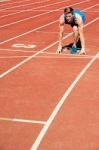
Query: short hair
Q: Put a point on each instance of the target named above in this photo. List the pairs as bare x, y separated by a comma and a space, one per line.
68, 10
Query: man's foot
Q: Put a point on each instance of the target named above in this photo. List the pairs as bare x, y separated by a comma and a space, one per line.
73, 50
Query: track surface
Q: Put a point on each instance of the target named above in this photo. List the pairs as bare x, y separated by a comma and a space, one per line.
48, 101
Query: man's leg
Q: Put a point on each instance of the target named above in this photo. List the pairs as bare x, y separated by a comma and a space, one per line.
78, 44
76, 39
75, 35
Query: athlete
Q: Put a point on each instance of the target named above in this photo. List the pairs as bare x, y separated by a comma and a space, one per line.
76, 19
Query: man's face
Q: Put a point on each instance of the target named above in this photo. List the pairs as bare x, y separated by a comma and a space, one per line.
69, 17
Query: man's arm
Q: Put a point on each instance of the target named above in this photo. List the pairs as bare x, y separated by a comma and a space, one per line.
61, 31
81, 34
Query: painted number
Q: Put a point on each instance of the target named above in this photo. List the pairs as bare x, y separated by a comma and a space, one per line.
24, 46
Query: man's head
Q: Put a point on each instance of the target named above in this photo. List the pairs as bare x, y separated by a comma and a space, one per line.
68, 11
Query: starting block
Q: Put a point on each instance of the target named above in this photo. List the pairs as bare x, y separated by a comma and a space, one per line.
74, 50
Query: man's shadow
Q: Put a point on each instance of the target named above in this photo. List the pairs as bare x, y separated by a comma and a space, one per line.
69, 46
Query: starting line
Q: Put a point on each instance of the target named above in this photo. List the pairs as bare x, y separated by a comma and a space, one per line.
58, 56
4, 0
22, 120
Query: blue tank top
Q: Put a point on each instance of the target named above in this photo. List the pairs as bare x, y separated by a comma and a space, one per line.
73, 23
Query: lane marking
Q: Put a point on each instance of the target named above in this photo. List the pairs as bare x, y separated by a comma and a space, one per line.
69, 56
32, 3
30, 51
22, 120
59, 105
41, 10
4, 0
40, 15
53, 54
14, 2
16, 50
46, 10
24, 45
48, 32
92, 11
32, 56
37, 27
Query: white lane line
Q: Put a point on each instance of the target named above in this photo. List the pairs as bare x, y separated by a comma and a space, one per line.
47, 10
16, 50
49, 53
39, 15
20, 6
22, 120
4, 0
32, 56
26, 10
37, 28
69, 56
50, 4
28, 32
11, 57
94, 11
18, 11
51, 32
53, 54
31, 51
15, 2
59, 105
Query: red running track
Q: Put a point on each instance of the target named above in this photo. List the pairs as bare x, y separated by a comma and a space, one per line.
48, 101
